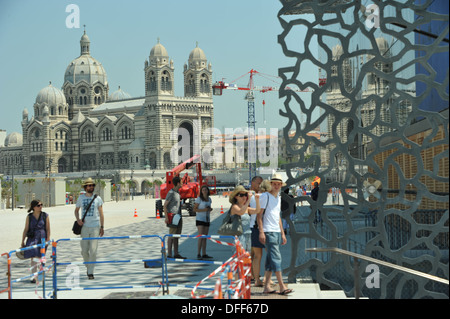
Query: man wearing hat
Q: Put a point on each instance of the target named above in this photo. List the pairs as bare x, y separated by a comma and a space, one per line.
92, 224
271, 234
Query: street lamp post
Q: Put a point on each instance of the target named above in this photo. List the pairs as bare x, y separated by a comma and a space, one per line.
49, 168
12, 185
132, 183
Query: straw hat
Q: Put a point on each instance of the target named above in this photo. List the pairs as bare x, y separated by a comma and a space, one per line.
277, 178
88, 181
236, 191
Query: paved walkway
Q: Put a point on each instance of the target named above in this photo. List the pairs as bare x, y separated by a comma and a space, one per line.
134, 274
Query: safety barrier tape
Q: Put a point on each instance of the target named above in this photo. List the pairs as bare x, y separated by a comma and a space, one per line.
242, 286
219, 269
230, 266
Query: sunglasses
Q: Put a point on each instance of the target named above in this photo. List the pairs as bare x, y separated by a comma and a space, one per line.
40, 205
242, 195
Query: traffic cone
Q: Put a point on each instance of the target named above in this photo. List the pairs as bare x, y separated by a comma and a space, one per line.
135, 213
157, 214
221, 209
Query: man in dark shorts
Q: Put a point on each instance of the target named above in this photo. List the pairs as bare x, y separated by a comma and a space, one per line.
257, 247
172, 205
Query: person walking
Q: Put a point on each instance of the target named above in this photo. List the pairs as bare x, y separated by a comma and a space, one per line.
314, 197
172, 205
37, 227
271, 234
90, 206
202, 208
299, 193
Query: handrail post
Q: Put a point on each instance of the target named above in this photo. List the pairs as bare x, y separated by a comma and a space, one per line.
165, 278
8, 274
356, 258
356, 277
42, 266
54, 261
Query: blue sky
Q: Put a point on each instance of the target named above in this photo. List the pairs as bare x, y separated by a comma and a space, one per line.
236, 36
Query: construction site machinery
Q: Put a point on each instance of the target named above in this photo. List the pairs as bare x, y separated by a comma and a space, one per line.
190, 189
218, 88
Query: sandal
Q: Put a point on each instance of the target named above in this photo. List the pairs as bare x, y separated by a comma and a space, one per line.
271, 292
285, 292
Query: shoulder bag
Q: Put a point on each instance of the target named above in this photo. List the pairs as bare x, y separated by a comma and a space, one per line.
231, 225
76, 228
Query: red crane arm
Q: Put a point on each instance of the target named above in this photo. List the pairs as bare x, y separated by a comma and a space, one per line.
185, 165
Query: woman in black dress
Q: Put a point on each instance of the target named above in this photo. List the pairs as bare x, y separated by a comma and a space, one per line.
37, 226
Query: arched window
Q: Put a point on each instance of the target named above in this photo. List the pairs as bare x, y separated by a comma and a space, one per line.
166, 83
152, 83
204, 84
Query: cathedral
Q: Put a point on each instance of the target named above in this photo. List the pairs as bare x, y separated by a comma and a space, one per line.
82, 127
376, 116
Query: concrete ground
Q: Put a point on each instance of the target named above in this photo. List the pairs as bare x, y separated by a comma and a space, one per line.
120, 220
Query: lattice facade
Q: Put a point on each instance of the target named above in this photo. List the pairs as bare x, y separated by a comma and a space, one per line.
382, 91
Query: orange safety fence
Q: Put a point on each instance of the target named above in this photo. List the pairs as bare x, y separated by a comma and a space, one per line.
239, 268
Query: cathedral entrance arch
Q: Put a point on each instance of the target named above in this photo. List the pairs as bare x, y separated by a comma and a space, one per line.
187, 141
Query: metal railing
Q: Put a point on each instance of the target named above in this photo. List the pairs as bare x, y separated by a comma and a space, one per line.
375, 261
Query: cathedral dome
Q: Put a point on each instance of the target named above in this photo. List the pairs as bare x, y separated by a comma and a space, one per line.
158, 51
85, 39
197, 54
159, 55
85, 67
119, 95
51, 96
14, 139
197, 58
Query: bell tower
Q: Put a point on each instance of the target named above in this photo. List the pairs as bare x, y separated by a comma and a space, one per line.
159, 72
197, 75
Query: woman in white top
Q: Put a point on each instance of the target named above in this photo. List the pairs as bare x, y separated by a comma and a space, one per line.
202, 208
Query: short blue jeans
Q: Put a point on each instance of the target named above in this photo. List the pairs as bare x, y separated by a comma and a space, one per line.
273, 258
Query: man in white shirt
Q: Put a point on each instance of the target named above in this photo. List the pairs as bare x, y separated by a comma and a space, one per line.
92, 224
271, 234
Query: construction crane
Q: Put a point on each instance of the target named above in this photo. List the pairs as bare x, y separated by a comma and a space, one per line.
218, 88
